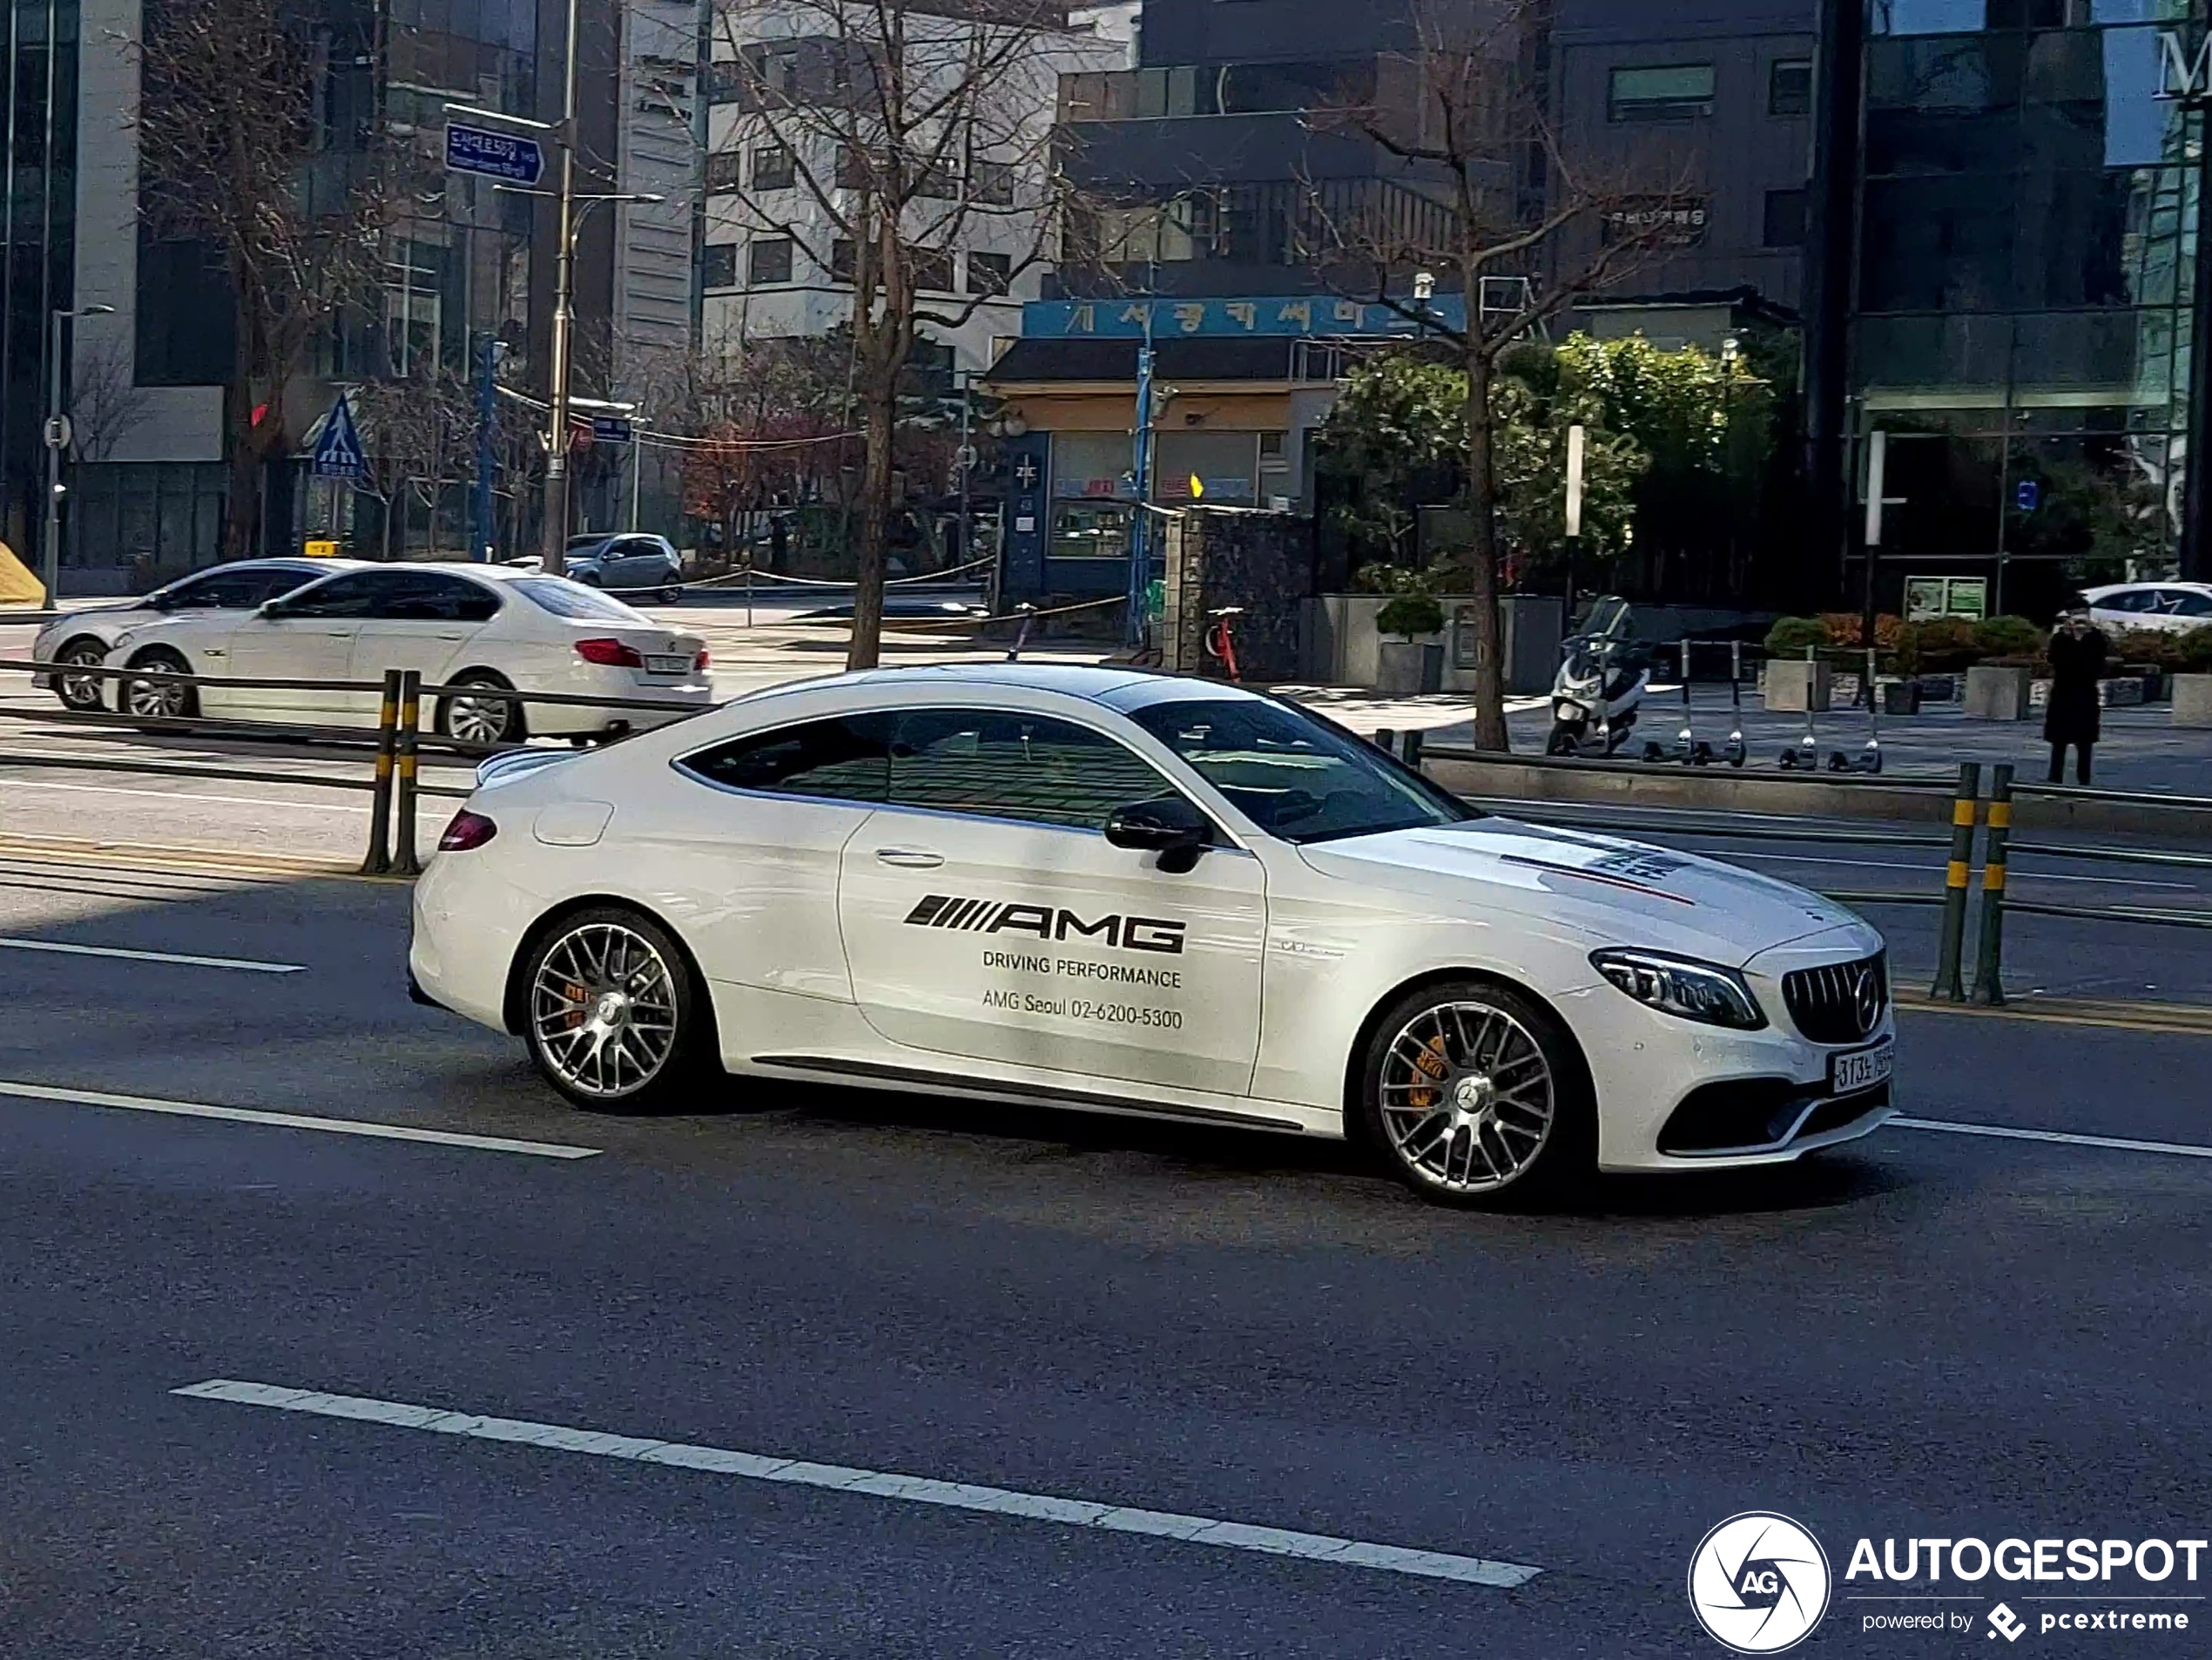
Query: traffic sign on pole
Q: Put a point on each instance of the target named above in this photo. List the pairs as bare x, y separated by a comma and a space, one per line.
610, 429
494, 155
338, 452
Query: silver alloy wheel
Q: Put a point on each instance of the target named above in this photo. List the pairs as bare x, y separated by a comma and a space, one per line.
1467, 1096
603, 1009
84, 691
157, 699
478, 720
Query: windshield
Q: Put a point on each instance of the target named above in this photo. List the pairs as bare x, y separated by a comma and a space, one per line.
566, 599
1295, 775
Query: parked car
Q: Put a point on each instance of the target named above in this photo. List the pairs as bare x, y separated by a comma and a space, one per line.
459, 626
627, 564
87, 636
2175, 606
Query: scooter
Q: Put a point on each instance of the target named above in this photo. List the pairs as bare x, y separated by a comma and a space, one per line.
1600, 685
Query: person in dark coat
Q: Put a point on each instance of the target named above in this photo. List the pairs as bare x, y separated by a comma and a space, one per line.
2077, 653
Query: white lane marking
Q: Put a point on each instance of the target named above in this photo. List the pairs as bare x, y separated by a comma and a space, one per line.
1936, 870
173, 796
958, 1495
293, 1121
2110, 1143
244, 964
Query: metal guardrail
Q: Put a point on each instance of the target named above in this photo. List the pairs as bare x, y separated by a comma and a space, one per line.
397, 740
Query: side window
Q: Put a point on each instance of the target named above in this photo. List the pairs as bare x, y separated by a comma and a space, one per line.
426, 597
1004, 765
2132, 599
846, 760
359, 594
465, 600
223, 590
2180, 602
274, 584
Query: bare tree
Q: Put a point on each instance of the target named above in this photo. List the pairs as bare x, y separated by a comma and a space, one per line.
105, 398
248, 148
418, 430
1493, 207
882, 138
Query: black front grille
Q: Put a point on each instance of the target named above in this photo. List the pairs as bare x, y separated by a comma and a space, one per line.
1828, 1004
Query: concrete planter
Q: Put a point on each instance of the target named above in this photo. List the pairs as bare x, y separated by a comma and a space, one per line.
2193, 700
1900, 697
1995, 693
1793, 687
1408, 668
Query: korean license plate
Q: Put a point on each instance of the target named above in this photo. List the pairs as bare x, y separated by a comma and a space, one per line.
1862, 1069
662, 663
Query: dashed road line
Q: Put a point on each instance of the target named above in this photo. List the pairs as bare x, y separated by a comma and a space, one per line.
913, 1489
294, 1120
2006, 1132
243, 965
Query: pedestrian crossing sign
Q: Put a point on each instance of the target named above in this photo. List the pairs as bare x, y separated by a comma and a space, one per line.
338, 452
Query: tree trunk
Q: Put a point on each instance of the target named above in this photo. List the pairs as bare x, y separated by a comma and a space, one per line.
878, 422
1489, 644
242, 519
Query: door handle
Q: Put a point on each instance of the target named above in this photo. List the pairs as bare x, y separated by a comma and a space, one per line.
909, 858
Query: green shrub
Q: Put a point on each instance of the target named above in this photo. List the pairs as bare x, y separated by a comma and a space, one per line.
1790, 635
1410, 615
2193, 651
1390, 579
1942, 645
2008, 637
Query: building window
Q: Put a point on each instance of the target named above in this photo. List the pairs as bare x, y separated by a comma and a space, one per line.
932, 269
843, 259
719, 265
991, 183
773, 167
1785, 219
989, 273
767, 261
1668, 92
721, 172
1090, 530
1788, 87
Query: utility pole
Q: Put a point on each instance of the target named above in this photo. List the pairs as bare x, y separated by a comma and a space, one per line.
487, 418
553, 541
57, 436
1139, 530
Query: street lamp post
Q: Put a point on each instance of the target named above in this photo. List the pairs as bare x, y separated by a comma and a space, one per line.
57, 438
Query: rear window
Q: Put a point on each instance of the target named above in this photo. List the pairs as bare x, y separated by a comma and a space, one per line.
566, 599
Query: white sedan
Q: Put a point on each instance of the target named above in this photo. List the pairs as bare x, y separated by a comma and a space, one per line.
2173, 607
1097, 888
484, 627
85, 635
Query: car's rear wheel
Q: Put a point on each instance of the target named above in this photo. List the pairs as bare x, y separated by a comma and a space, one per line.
481, 719
81, 692
1475, 1095
159, 699
614, 1015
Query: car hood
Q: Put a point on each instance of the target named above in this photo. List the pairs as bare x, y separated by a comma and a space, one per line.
1615, 892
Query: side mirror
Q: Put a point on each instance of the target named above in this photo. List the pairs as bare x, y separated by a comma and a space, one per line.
274, 610
1168, 824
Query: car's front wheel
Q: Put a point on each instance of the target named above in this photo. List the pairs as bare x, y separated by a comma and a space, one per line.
159, 699
1475, 1095
81, 692
615, 1017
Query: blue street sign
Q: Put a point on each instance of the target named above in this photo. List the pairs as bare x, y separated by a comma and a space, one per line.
610, 429
338, 452
494, 155
2029, 494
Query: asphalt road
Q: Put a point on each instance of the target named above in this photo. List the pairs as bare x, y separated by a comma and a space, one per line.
1932, 1334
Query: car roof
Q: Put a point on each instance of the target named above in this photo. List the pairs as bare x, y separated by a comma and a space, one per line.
2156, 582
1119, 688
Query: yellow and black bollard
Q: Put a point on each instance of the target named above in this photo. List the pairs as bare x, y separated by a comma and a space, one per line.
408, 760
1964, 812
1989, 991
380, 803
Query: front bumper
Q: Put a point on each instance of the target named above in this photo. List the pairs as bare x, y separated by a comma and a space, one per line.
1676, 1095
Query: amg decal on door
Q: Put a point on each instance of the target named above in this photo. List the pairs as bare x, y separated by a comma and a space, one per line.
1046, 923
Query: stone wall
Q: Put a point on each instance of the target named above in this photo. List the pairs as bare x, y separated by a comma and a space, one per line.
1218, 556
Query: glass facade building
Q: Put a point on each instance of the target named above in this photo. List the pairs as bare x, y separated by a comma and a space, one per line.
2025, 306
38, 244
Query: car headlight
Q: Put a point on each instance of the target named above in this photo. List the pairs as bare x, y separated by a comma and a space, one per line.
1699, 991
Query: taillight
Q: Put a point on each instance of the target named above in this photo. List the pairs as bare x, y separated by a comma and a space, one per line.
467, 830
611, 653
700, 663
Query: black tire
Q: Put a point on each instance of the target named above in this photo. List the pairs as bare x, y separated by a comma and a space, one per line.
153, 698
474, 716
1536, 1144
82, 695
569, 970
671, 596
